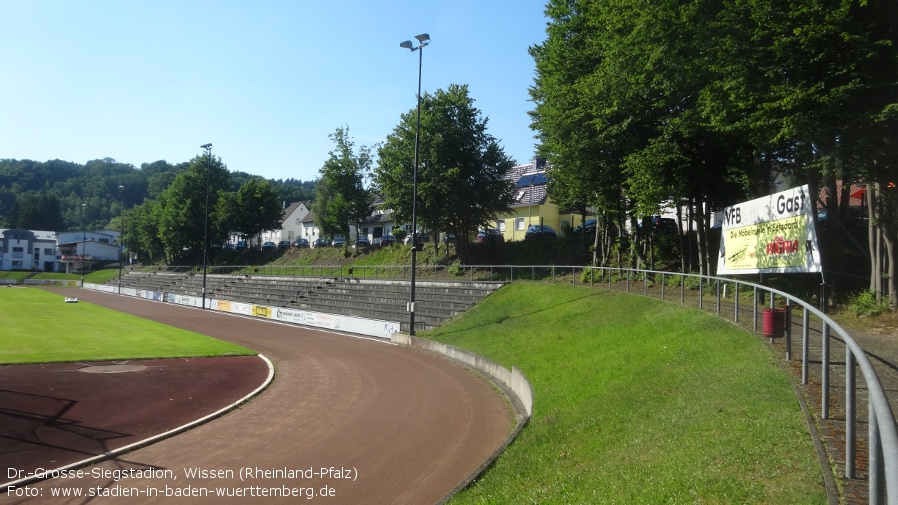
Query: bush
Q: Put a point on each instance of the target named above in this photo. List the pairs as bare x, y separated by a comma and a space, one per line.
590, 275
865, 304
673, 280
693, 283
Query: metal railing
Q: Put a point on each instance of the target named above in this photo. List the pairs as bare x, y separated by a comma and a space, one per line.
882, 439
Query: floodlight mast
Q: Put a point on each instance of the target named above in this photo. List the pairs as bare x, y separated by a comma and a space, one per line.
208, 148
423, 40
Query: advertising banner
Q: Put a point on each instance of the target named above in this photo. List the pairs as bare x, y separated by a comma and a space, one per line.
772, 234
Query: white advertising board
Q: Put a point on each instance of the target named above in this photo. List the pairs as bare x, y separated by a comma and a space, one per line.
772, 234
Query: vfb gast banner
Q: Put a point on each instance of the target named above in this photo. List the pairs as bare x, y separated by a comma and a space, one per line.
772, 234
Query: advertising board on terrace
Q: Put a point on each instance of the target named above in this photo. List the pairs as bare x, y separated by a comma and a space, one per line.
772, 234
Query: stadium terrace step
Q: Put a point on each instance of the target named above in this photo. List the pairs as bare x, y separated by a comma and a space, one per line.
436, 301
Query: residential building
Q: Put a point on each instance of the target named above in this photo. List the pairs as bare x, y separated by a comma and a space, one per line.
291, 224
82, 250
532, 204
27, 250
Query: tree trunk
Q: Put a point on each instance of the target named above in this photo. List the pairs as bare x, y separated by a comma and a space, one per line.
680, 235
702, 237
874, 242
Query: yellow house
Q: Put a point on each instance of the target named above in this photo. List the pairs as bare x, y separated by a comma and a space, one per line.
532, 204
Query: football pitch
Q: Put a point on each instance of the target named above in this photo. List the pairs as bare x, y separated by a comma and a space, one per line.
40, 327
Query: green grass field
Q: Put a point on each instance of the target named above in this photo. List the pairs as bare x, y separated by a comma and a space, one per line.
39, 327
637, 401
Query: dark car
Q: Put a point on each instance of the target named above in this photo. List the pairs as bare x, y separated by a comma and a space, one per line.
269, 246
241, 246
284, 245
539, 231
387, 240
338, 241
302, 243
362, 242
321, 242
489, 235
658, 224
588, 228
449, 238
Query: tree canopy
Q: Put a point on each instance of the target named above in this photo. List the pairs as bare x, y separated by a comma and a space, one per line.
694, 104
342, 198
461, 170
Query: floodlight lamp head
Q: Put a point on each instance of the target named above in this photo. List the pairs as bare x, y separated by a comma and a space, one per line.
407, 44
423, 38
206, 146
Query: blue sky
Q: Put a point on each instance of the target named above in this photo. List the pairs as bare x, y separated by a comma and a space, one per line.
264, 81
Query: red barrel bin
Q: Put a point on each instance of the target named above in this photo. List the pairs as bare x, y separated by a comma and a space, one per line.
774, 323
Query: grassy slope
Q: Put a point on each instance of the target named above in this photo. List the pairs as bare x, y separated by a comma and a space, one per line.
637, 401
38, 327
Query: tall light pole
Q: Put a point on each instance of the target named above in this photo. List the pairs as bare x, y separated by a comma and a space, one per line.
208, 148
423, 40
121, 241
83, 241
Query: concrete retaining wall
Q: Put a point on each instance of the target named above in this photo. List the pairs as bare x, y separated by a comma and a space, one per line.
513, 379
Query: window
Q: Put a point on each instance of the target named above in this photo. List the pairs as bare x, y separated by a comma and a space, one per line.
18, 252
48, 251
519, 223
104, 240
500, 225
299, 221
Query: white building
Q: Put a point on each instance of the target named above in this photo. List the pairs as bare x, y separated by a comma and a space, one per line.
83, 249
27, 250
291, 224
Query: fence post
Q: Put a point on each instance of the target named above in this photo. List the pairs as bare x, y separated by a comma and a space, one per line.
701, 293
736, 300
805, 345
875, 459
754, 308
824, 372
662, 285
850, 407
683, 288
788, 317
717, 282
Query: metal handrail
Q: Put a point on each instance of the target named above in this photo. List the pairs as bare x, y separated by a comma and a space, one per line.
883, 435
321, 281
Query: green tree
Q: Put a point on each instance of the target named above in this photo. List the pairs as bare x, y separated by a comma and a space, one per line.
183, 207
254, 208
36, 213
342, 199
461, 172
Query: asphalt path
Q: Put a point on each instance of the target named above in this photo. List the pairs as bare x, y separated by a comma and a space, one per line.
346, 420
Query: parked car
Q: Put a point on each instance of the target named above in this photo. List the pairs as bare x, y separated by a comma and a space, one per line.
269, 246
588, 228
449, 238
658, 224
302, 243
241, 246
284, 245
489, 235
321, 242
539, 231
420, 238
338, 241
362, 242
387, 240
